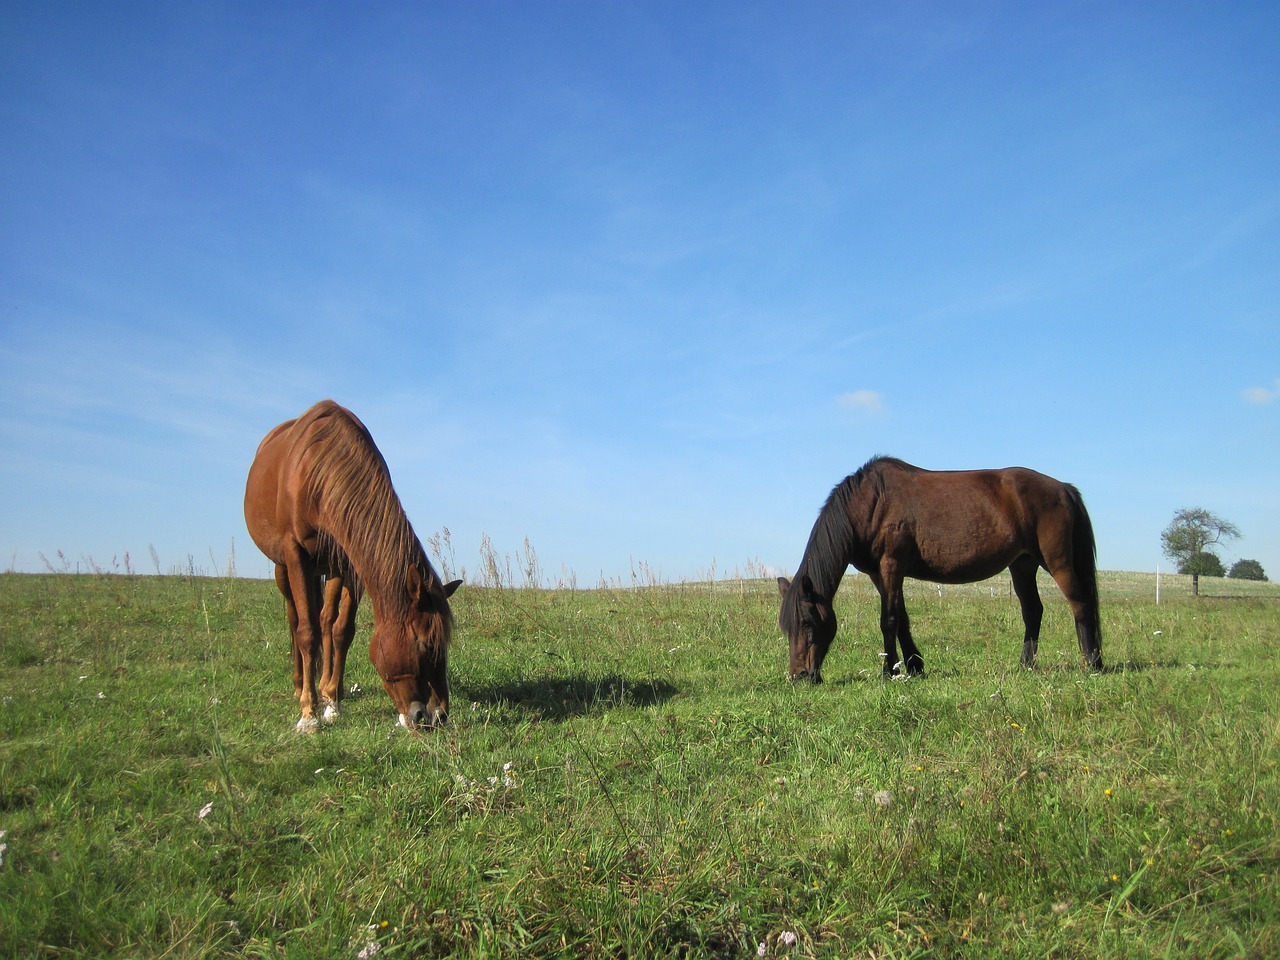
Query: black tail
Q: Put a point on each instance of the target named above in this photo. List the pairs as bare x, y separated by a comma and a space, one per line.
1084, 551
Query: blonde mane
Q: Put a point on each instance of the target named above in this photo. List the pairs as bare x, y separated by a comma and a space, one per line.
364, 529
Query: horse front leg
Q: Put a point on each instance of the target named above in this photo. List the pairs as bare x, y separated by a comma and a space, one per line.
895, 625
888, 628
910, 652
338, 620
328, 618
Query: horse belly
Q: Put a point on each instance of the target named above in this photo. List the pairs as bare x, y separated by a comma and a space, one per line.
975, 548
971, 573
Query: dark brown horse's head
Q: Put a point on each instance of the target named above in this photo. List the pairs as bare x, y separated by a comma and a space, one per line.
411, 651
809, 621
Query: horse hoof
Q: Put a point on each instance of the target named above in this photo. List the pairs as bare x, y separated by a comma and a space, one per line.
330, 712
307, 725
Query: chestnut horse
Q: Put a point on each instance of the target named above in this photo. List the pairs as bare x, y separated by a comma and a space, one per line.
319, 503
892, 520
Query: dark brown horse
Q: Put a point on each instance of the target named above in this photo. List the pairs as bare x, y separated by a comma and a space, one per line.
892, 520
319, 503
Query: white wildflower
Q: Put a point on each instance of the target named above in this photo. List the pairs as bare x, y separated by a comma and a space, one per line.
370, 945
883, 798
206, 810
787, 938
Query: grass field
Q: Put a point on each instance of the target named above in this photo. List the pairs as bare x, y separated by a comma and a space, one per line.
627, 772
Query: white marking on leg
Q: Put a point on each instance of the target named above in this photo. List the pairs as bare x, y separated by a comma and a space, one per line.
308, 725
330, 712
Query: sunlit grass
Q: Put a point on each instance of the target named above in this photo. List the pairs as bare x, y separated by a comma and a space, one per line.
627, 772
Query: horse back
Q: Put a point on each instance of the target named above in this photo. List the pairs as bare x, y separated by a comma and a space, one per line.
965, 525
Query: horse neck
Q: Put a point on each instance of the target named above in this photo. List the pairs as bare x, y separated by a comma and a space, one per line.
826, 578
831, 546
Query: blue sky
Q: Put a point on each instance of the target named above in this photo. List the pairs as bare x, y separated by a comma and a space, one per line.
638, 281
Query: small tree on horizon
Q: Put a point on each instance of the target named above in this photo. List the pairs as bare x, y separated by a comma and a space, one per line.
1247, 570
1204, 565
1188, 540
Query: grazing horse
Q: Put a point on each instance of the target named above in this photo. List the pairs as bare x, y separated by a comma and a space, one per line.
319, 503
892, 520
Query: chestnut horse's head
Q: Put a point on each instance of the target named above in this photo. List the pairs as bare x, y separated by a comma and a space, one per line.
809, 621
410, 651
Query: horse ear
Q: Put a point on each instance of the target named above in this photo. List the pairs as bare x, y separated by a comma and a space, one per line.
783, 586
807, 586
451, 587
413, 582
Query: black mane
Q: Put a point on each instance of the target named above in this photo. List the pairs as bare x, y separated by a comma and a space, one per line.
827, 555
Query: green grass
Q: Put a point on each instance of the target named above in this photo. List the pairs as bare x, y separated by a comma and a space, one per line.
627, 772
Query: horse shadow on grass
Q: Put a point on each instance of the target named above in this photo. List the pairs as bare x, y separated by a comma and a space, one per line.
563, 698
1064, 669
1144, 666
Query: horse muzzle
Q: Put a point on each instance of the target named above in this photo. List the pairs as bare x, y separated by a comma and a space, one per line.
422, 716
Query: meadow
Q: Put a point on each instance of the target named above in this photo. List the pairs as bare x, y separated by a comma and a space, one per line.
627, 772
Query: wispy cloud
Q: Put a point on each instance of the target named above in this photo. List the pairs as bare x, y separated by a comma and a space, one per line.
1263, 394
1239, 229
866, 401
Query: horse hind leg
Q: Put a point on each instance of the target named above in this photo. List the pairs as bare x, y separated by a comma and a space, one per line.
1083, 600
1023, 573
291, 615
301, 650
303, 600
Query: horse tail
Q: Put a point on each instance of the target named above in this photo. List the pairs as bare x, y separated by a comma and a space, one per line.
1084, 551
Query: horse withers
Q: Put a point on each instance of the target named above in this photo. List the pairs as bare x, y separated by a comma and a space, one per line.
891, 520
319, 503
